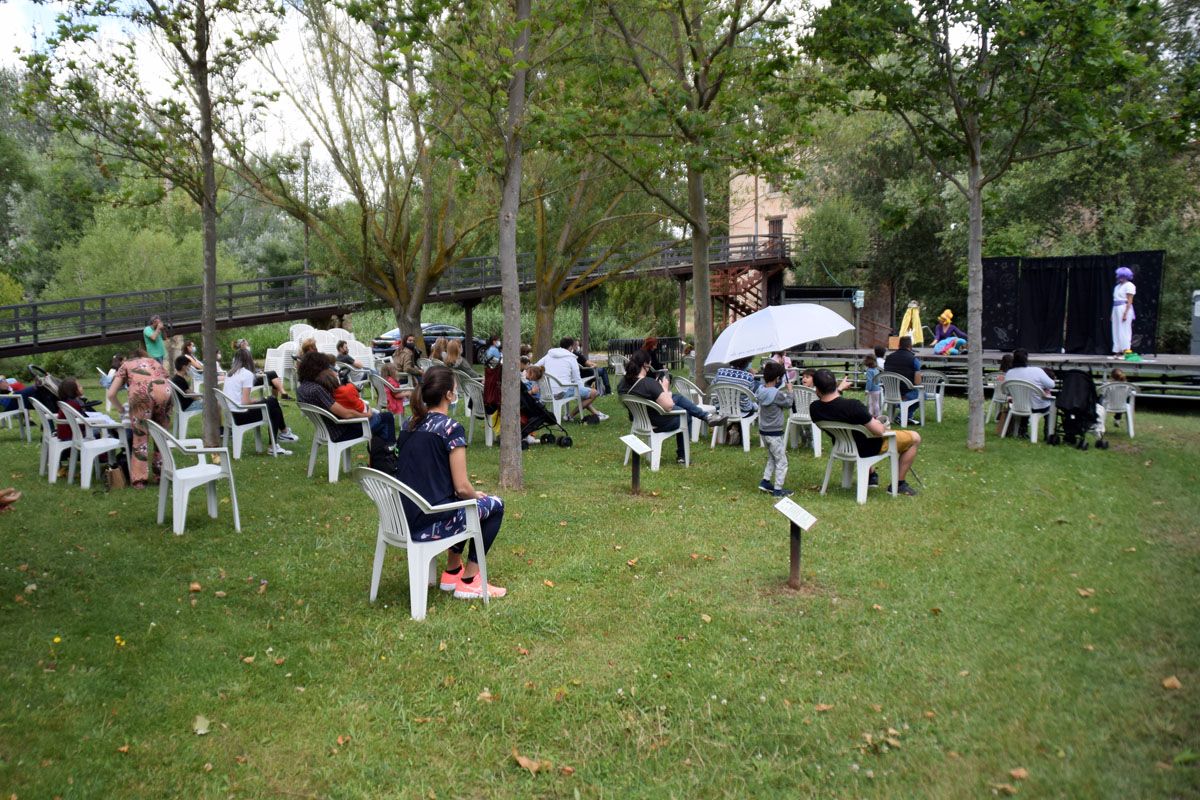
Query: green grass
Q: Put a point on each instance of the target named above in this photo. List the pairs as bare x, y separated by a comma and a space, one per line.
954, 619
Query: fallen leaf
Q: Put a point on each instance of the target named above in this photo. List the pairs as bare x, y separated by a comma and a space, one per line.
876, 707
616, 547
485, 696
279, 661
527, 763
548, 583
877, 607
1018, 774
893, 742
1130, 549
521, 651
821, 708
248, 660
262, 588
442, 646
1004, 788
935, 611
208, 767
240, 759
706, 618
562, 523
632, 562
194, 586
422, 720
123, 748
1163, 765
23, 568
1091, 648
343, 741
218, 594
200, 725
112, 513
565, 770
1171, 683
1086, 592
930, 714
695, 556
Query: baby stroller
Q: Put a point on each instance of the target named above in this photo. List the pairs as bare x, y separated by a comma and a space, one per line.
535, 417
1077, 415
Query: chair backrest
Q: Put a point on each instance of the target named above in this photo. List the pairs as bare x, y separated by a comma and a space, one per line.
361, 352
1022, 394
274, 361
45, 415
300, 331
895, 386
228, 406
381, 389
474, 392
689, 364
424, 363
617, 362
387, 494
164, 443
688, 389
729, 398
341, 333
933, 382
176, 398
1116, 396
805, 397
319, 418
75, 420
844, 445
639, 409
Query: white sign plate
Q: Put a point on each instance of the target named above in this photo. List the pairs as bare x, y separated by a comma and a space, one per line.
790, 509
639, 447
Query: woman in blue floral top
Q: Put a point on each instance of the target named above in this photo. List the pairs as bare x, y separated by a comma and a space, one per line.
432, 459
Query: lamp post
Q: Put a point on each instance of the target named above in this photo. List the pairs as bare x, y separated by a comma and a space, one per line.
305, 155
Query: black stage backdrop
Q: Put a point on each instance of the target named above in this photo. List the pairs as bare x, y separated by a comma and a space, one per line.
1065, 303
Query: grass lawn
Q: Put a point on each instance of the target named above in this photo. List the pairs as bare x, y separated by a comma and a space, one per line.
1020, 614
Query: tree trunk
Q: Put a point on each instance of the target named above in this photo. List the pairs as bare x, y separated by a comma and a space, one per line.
701, 288
512, 475
543, 329
975, 434
208, 217
408, 323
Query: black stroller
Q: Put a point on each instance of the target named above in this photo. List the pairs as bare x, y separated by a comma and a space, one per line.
1077, 416
535, 417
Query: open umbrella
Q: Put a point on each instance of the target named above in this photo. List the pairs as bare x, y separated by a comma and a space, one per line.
776, 328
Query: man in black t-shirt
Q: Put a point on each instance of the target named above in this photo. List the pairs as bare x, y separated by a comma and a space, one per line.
830, 406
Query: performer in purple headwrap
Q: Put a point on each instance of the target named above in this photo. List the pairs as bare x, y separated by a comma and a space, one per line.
1122, 312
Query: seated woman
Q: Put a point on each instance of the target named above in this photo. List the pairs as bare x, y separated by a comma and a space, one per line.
948, 339
639, 383
454, 357
431, 457
269, 378
318, 382
238, 382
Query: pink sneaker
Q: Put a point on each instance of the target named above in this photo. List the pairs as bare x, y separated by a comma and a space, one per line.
449, 582
474, 590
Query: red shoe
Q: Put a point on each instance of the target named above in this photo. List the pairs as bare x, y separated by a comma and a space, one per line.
474, 590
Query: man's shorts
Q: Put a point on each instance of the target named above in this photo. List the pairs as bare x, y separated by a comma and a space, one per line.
904, 441
569, 392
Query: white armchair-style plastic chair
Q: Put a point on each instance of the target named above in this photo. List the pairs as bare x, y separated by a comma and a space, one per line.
845, 449
800, 421
341, 333
640, 409
475, 411
181, 480
553, 394
52, 447
84, 449
182, 416
278, 361
236, 431
383, 390
19, 414
300, 331
692, 392
998, 398
1118, 398
895, 386
337, 451
1023, 395
933, 387
394, 531
729, 405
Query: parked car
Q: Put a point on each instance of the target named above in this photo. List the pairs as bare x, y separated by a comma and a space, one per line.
430, 332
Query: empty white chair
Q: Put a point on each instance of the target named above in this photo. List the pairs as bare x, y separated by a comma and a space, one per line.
235, 430
895, 386
729, 405
181, 480
18, 414
639, 409
361, 353
278, 361
181, 415
475, 411
998, 399
337, 451
845, 450
52, 447
554, 394
692, 392
341, 333
1023, 396
933, 386
1118, 398
87, 450
800, 422
300, 331
387, 492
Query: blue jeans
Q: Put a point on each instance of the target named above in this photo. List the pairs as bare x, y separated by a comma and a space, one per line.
691, 408
383, 426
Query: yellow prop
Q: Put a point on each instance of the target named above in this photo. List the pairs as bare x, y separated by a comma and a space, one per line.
911, 324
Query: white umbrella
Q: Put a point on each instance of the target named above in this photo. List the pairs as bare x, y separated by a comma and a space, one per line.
776, 328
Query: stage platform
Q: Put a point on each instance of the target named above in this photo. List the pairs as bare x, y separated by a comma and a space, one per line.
1167, 375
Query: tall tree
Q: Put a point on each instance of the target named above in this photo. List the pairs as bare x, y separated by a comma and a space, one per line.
982, 85
97, 93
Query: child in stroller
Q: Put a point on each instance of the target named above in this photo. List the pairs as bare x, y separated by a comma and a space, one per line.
535, 417
1077, 415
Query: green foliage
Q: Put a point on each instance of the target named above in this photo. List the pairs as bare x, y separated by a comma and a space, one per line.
11, 291
835, 236
645, 305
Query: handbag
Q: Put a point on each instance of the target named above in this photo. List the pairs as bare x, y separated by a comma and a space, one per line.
114, 477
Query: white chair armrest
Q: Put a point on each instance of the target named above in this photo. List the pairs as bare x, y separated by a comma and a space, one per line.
451, 506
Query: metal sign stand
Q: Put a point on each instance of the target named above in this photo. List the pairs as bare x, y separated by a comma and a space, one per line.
638, 449
799, 520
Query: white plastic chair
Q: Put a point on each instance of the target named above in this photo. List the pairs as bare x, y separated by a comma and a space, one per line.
387, 492
182, 416
933, 387
278, 361
846, 450
289, 350
236, 430
383, 390
553, 393
182, 480
1118, 398
729, 405
84, 449
107, 403
1023, 394
997, 400
20, 414
341, 333
336, 451
300, 331
800, 419
52, 447
895, 386
475, 411
692, 392
639, 408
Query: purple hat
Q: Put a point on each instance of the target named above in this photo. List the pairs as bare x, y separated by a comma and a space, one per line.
1124, 272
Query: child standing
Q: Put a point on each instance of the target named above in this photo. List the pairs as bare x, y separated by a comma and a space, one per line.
772, 424
395, 401
874, 388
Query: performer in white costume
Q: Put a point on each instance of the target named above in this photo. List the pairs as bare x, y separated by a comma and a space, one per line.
1122, 312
